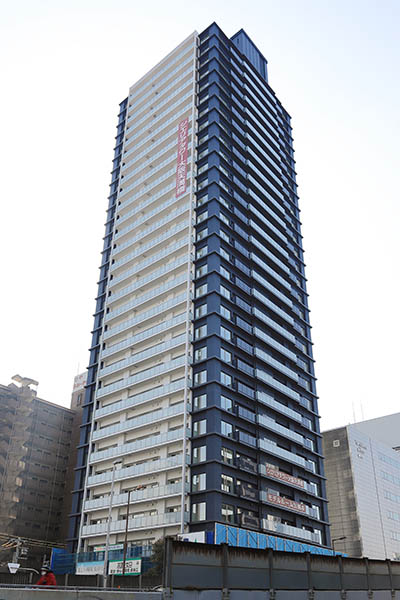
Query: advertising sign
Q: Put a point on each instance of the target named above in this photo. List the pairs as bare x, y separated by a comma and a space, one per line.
95, 567
133, 566
276, 474
286, 502
183, 129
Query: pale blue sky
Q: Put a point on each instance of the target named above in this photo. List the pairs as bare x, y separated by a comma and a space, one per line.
334, 65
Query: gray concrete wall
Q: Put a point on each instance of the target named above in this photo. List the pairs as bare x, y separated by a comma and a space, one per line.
42, 594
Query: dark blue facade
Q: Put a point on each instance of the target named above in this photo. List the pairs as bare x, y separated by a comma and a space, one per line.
255, 407
83, 448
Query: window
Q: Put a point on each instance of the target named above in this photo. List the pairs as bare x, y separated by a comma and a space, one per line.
203, 199
199, 427
202, 216
225, 292
226, 403
199, 454
225, 334
198, 482
226, 429
200, 377
201, 290
224, 272
225, 312
202, 234
224, 235
200, 271
228, 513
201, 252
227, 456
200, 401
226, 356
200, 332
199, 511
226, 379
227, 483
224, 218
200, 311
224, 254
200, 353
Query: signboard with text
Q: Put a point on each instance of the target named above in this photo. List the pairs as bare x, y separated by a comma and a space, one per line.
286, 502
90, 568
276, 474
133, 566
183, 129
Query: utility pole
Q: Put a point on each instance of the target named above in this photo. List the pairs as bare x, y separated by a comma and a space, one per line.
126, 534
106, 551
17, 550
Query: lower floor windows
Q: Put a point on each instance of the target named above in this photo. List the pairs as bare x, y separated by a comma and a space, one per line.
228, 513
199, 511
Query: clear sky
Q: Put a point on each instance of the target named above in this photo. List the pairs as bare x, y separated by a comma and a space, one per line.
334, 64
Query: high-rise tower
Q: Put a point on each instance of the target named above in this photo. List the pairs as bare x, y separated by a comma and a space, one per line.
201, 406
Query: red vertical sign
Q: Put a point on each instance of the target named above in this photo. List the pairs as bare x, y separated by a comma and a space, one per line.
183, 129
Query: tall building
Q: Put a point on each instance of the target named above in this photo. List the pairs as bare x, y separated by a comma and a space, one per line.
201, 405
363, 486
35, 443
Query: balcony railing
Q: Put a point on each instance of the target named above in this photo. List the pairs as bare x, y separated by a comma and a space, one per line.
268, 471
158, 392
286, 503
141, 421
156, 492
297, 532
153, 441
161, 520
272, 448
151, 466
273, 426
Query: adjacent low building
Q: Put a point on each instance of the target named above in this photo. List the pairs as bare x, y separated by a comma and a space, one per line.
363, 487
35, 446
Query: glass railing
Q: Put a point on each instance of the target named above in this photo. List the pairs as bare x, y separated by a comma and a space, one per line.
158, 105
267, 222
138, 91
175, 117
269, 401
150, 160
281, 313
269, 171
178, 320
148, 278
145, 190
273, 426
272, 448
158, 491
269, 340
272, 272
161, 520
142, 376
148, 231
152, 352
134, 422
142, 397
163, 254
148, 176
261, 202
275, 363
150, 466
276, 163
272, 289
160, 140
291, 531
272, 257
128, 448
143, 298
273, 325
269, 184
277, 384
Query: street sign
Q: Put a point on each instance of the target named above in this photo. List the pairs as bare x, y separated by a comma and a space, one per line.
13, 567
95, 567
133, 566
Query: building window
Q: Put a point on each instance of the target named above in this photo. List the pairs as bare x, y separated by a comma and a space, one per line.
226, 356
201, 311
201, 252
201, 290
225, 333
202, 217
227, 456
199, 427
200, 401
225, 312
224, 292
199, 512
224, 272
200, 377
226, 429
200, 271
227, 483
200, 332
226, 403
224, 218
224, 235
224, 254
200, 354
202, 234
199, 454
228, 513
198, 482
226, 379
